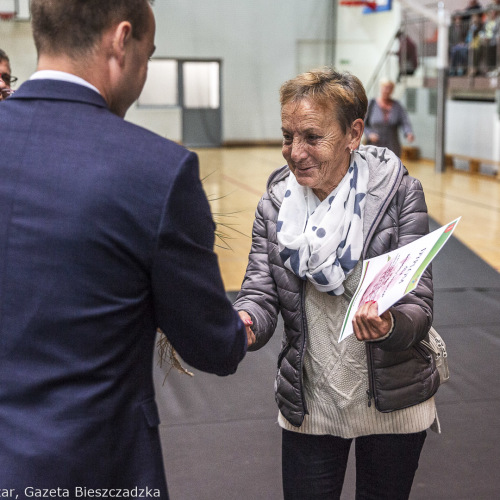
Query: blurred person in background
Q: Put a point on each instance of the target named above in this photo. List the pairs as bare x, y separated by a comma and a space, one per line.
457, 35
6, 79
385, 117
489, 38
472, 7
407, 55
473, 44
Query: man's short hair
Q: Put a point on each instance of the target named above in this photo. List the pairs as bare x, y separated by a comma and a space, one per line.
73, 27
4, 56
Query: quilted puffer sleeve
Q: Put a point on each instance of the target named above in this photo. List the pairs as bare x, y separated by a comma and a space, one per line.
258, 295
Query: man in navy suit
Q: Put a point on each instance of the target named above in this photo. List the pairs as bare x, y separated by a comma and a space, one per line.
105, 235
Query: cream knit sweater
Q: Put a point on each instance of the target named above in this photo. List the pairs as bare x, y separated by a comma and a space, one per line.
336, 378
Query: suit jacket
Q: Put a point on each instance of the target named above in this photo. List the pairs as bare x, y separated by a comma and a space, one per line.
105, 235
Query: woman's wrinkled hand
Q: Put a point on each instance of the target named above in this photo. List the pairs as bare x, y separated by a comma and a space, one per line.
245, 317
368, 325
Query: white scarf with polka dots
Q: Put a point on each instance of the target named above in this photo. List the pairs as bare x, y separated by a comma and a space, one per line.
322, 240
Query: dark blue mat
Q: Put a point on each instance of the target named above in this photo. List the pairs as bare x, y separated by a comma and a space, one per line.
458, 267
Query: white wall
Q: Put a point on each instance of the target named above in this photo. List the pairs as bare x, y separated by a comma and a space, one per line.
424, 125
257, 43
472, 128
363, 38
17, 42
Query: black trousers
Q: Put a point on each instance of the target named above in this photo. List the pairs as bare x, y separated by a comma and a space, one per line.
314, 466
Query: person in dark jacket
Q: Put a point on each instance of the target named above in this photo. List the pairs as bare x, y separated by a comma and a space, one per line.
407, 55
472, 7
333, 205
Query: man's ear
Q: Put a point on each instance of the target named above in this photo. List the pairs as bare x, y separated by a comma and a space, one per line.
121, 36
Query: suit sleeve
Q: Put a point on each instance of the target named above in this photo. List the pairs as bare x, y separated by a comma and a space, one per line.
189, 298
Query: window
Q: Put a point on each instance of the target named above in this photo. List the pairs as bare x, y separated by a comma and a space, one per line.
161, 88
201, 84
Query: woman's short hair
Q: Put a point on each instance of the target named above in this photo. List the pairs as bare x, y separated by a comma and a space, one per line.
73, 27
342, 92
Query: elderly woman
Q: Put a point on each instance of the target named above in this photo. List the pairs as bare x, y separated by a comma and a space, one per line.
384, 118
332, 206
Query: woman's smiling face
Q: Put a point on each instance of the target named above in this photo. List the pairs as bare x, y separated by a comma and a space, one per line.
314, 145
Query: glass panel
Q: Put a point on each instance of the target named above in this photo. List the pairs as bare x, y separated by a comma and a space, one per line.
7, 7
433, 102
411, 100
161, 85
201, 84
24, 9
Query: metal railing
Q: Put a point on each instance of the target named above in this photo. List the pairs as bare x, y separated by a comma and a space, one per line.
474, 48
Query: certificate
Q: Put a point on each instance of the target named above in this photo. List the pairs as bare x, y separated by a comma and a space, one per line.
389, 277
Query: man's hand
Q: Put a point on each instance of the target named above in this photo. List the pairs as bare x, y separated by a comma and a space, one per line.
245, 317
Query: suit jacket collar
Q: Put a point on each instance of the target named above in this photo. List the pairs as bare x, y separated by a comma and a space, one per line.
59, 91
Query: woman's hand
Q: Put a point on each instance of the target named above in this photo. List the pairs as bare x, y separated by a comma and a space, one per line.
368, 325
410, 137
373, 138
245, 317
